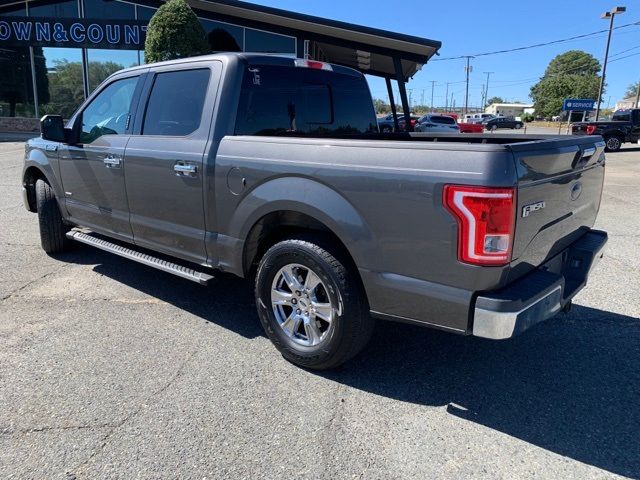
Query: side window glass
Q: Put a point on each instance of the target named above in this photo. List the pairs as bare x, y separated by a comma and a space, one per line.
107, 114
176, 103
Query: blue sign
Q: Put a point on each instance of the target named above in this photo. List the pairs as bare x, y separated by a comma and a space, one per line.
72, 32
578, 104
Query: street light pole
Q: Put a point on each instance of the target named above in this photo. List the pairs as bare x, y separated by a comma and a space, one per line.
466, 95
446, 99
611, 15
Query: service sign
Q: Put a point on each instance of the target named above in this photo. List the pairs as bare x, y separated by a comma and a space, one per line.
578, 104
72, 33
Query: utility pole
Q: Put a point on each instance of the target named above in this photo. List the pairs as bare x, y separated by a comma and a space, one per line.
433, 82
468, 70
446, 99
611, 15
410, 90
422, 97
638, 96
486, 90
482, 99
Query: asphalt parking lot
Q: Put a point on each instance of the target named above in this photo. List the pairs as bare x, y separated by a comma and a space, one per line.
110, 369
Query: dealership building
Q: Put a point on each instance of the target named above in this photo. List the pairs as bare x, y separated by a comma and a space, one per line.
54, 53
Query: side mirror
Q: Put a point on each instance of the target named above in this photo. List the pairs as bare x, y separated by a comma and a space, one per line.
52, 128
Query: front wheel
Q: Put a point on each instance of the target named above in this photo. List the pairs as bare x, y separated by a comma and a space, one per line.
518, 126
612, 144
311, 304
52, 229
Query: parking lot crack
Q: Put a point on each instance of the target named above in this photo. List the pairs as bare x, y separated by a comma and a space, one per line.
28, 431
104, 441
32, 282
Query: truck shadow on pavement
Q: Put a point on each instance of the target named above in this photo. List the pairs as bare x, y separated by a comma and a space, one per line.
570, 385
227, 300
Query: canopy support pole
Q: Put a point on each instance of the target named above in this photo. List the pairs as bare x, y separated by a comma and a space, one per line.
403, 93
393, 103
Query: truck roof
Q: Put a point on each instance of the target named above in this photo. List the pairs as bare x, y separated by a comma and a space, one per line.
248, 57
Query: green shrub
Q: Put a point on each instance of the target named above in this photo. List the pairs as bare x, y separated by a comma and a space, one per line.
174, 32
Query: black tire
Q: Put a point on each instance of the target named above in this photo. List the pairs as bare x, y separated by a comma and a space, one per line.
612, 144
386, 129
52, 228
352, 325
518, 126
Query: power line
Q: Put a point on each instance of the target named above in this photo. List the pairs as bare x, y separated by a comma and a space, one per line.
537, 45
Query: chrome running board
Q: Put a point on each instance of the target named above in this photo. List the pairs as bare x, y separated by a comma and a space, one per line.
145, 259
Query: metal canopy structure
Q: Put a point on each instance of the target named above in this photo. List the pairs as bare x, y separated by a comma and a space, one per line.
394, 56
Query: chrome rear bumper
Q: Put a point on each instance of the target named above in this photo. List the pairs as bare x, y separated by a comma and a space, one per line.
539, 295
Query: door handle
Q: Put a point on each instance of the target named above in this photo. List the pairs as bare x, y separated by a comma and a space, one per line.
112, 161
185, 169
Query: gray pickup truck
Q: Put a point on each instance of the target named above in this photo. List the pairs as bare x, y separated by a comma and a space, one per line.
273, 169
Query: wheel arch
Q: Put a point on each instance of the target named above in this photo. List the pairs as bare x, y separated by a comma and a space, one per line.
293, 205
31, 175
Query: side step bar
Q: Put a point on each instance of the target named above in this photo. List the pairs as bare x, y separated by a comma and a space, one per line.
165, 266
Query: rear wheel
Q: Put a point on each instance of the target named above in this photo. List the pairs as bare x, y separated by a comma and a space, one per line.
518, 126
311, 304
613, 144
52, 229
494, 128
386, 129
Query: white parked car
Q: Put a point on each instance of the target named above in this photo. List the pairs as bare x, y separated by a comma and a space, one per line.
437, 123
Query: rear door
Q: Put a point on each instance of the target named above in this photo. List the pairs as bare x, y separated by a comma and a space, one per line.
559, 189
92, 170
165, 167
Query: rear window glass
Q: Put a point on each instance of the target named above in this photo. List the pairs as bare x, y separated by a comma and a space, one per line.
176, 103
621, 117
443, 119
279, 100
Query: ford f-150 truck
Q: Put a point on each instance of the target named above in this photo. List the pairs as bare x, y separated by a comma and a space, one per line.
273, 169
623, 127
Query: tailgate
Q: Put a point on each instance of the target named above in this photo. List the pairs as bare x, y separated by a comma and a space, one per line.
559, 190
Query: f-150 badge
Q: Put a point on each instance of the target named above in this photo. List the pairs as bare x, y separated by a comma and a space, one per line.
534, 207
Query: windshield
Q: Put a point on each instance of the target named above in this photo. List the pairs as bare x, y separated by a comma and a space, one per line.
621, 117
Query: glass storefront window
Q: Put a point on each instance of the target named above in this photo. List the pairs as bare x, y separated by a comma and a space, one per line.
16, 86
65, 91
47, 8
223, 37
109, 9
264, 42
103, 63
145, 13
18, 10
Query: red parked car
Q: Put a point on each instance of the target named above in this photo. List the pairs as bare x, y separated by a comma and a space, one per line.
466, 127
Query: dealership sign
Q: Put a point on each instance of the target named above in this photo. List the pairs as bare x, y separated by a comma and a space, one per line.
578, 104
72, 33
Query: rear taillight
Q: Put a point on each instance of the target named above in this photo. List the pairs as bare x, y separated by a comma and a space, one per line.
486, 222
590, 129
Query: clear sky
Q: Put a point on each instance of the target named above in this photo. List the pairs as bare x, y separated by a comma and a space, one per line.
468, 27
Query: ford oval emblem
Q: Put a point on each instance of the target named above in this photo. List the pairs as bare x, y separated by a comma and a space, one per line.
576, 191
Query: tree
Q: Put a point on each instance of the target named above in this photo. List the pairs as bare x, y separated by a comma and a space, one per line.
66, 85
573, 74
174, 32
16, 86
381, 106
632, 90
493, 100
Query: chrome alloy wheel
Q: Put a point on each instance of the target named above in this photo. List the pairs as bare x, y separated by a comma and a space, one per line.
301, 305
613, 143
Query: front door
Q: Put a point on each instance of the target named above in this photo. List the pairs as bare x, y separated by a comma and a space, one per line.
92, 170
165, 169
